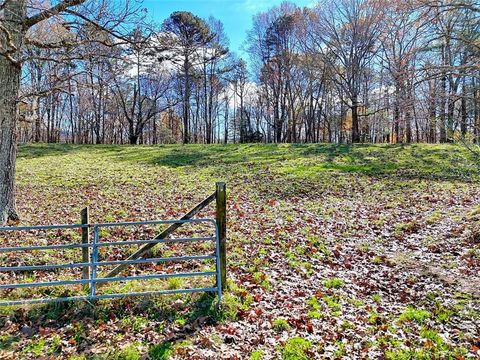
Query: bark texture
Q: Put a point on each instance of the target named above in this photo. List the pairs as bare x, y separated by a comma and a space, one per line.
10, 71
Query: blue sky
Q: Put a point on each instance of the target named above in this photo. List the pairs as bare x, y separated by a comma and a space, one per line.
236, 15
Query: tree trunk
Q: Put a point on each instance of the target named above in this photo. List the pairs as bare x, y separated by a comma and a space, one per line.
226, 121
450, 119
396, 123
464, 115
355, 127
186, 102
133, 139
10, 79
443, 91
132, 134
476, 110
155, 131
38, 125
408, 124
10, 72
432, 113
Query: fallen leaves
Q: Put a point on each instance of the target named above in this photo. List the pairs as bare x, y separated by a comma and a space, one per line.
396, 237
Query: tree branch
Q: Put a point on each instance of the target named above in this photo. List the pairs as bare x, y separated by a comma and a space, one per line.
2, 5
97, 25
55, 10
11, 48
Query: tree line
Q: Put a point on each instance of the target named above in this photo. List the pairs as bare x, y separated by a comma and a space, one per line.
342, 71
368, 71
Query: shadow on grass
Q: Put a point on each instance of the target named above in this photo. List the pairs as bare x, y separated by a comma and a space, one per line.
31, 151
405, 162
6, 342
204, 313
210, 155
201, 311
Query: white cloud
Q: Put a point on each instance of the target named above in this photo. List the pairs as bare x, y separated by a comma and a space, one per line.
256, 5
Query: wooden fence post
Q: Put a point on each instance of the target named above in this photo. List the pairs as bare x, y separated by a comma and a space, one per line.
221, 217
85, 219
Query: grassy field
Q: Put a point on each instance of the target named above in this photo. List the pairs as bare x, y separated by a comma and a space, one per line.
333, 252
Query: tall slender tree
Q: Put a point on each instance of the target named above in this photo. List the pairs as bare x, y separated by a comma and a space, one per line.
185, 35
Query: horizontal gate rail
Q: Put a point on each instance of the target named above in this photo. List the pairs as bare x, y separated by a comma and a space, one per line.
107, 296
98, 280
78, 226
113, 262
118, 243
93, 262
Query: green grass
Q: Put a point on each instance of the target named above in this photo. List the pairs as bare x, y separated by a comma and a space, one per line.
333, 304
412, 314
333, 283
314, 303
162, 351
296, 349
280, 325
256, 355
6, 341
441, 161
297, 209
127, 353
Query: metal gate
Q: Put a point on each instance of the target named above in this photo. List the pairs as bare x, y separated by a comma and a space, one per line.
94, 262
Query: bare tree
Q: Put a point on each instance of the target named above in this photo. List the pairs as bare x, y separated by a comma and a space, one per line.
346, 35
400, 43
141, 86
17, 18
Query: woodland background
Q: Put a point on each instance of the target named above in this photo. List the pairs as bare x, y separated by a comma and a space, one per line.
344, 71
